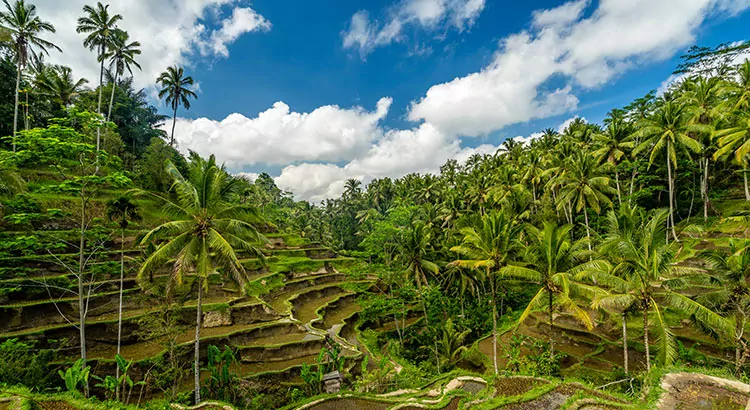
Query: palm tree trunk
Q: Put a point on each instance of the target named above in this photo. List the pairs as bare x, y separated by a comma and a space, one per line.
588, 229
174, 122
427, 325
744, 177
617, 182
645, 340
671, 193
494, 324
119, 309
704, 189
196, 364
395, 319
738, 335
551, 337
112, 98
99, 105
625, 342
632, 185
15, 112
81, 305
26, 111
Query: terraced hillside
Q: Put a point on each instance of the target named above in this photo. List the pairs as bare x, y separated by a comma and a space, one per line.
595, 354
301, 296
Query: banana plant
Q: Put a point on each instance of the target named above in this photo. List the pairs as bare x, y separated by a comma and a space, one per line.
75, 376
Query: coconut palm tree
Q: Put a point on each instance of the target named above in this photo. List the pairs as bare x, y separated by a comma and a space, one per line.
25, 29
702, 97
668, 131
121, 55
175, 87
99, 25
644, 276
414, 244
121, 210
736, 140
204, 235
488, 247
584, 185
550, 261
739, 90
731, 269
613, 144
58, 84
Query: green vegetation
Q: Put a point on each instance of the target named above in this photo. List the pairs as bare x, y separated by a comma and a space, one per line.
124, 264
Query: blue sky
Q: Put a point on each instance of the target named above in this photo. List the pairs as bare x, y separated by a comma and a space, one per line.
301, 62
315, 92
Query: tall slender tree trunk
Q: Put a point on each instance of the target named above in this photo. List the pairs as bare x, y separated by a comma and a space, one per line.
740, 319
588, 229
112, 98
632, 185
645, 340
174, 122
494, 323
427, 325
671, 192
747, 189
119, 309
81, 306
617, 183
26, 111
625, 342
704, 189
99, 104
395, 320
15, 112
551, 336
196, 364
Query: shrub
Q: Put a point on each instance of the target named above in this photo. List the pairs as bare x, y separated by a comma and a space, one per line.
22, 364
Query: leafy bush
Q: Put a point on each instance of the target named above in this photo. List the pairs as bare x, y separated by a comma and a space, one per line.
22, 364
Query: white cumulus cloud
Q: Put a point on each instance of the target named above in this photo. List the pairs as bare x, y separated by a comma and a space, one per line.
365, 34
279, 136
567, 49
170, 32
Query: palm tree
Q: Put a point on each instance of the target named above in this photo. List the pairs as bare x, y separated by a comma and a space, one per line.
736, 140
121, 56
613, 143
58, 84
175, 87
414, 244
668, 130
99, 26
739, 90
550, 261
645, 274
583, 185
25, 28
701, 95
121, 210
204, 235
732, 272
352, 188
488, 247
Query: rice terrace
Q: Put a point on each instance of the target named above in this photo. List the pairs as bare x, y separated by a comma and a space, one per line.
547, 207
